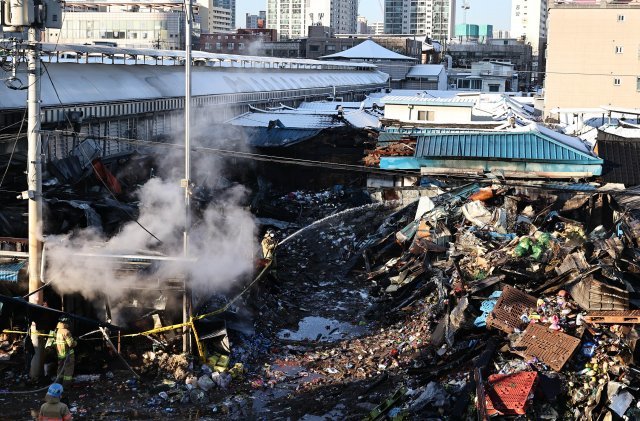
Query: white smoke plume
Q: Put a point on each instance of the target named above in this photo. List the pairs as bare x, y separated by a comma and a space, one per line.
222, 242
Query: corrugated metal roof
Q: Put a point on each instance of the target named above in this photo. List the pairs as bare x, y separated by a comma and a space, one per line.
426, 70
628, 199
333, 105
626, 132
177, 54
362, 119
514, 146
427, 100
262, 137
89, 83
287, 120
393, 134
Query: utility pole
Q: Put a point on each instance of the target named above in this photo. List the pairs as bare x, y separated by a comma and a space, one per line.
34, 187
186, 297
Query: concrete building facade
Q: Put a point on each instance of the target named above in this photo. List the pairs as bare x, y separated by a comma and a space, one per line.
363, 25
424, 109
434, 18
229, 5
291, 18
219, 19
588, 68
242, 42
529, 23
376, 28
500, 50
485, 76
124, 23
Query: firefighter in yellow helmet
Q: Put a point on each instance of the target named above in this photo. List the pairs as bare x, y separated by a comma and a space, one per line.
269, 243
65, 344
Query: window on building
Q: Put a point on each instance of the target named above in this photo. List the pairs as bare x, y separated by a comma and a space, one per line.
218, 46
229, 45
476, 84
494, 88
619, 49
617, 81
241, 46
314, 48
425, 115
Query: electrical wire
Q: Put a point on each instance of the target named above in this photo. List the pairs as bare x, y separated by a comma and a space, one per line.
12, 124
351, 167
6, 170
255, 156
104, 183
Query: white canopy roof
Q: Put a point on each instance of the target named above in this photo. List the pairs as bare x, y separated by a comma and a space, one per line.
426, 70
368, 50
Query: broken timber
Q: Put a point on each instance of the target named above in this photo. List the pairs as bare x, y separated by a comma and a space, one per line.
613, 317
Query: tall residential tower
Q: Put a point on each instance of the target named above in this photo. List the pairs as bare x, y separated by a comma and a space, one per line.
291, 18
434, 18
227, 4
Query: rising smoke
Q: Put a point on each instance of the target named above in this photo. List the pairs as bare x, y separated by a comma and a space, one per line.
222, 242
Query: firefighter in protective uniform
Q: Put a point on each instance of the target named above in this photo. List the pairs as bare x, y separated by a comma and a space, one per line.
65, 344
52, 409
268, 244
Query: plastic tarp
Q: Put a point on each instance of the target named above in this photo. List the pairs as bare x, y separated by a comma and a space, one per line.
9, 271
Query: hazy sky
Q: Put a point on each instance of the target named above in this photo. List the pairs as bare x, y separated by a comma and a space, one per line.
495, 12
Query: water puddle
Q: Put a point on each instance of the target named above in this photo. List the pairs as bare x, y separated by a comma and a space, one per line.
315, 328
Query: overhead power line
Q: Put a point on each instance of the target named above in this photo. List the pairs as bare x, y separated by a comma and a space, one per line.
351, 167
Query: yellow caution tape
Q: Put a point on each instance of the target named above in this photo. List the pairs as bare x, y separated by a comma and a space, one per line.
24, 333
178, 325
202, 316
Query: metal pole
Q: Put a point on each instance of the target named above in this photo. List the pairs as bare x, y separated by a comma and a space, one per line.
34, 187
186, 298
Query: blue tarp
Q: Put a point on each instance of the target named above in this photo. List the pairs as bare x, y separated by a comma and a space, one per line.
9, 271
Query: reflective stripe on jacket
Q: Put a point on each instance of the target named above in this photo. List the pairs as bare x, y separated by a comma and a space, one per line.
64, 341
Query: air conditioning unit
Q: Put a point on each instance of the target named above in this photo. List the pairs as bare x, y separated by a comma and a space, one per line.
17, 14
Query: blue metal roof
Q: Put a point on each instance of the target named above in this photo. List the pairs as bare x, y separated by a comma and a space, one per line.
531, 146
393, 134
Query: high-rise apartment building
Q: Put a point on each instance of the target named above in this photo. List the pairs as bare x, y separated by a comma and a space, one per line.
216, 18
227, 4
363, 25
529, 21
434, 18
291, 18
258, 21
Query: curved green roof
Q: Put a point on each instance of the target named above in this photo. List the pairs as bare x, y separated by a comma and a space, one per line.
531, 146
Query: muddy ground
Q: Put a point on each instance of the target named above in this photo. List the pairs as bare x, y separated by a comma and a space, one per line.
322, 342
